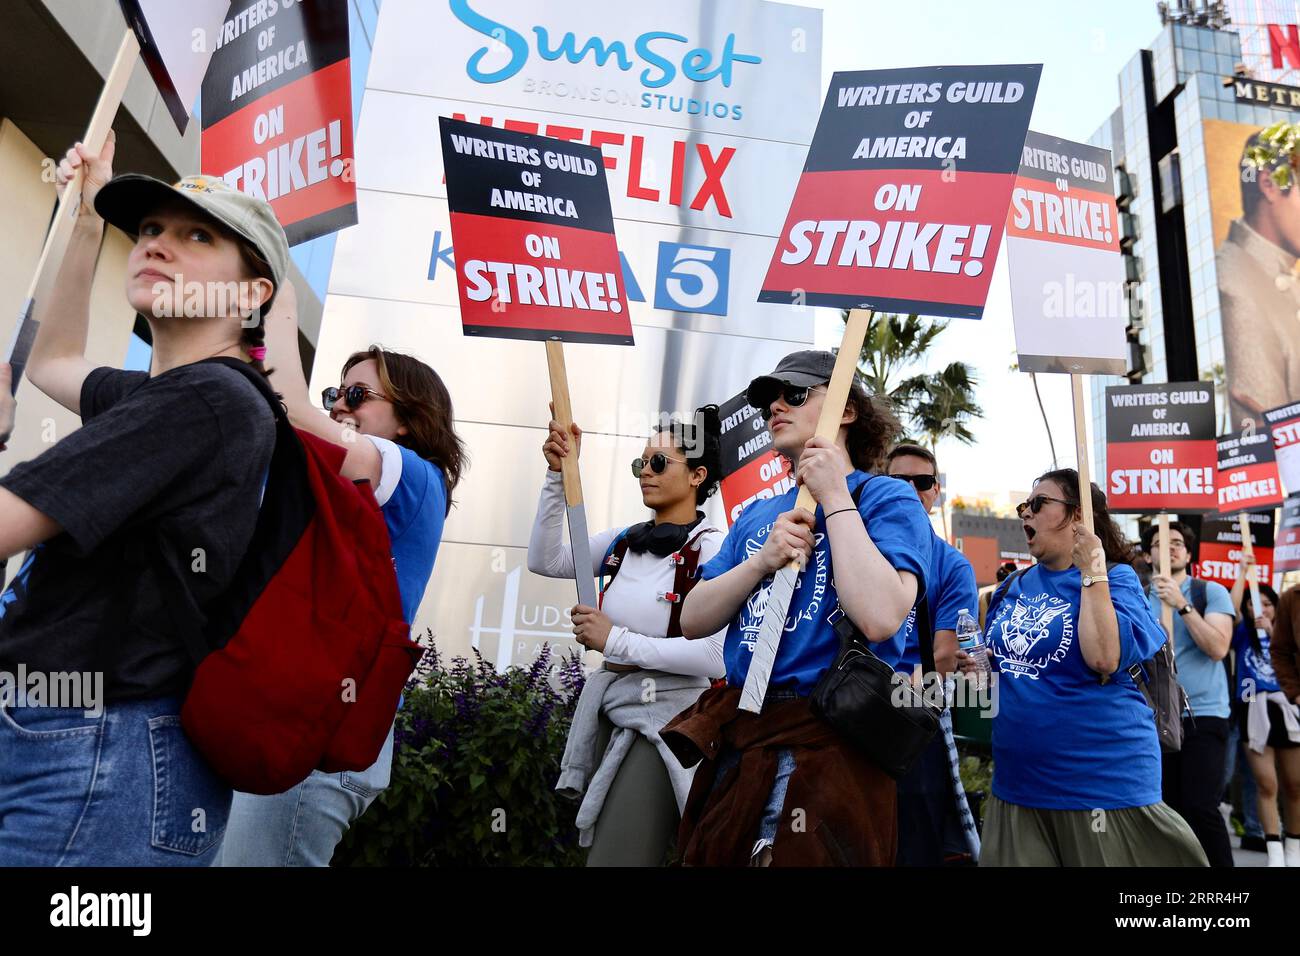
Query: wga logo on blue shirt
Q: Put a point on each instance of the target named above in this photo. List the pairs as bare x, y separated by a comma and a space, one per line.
698, 64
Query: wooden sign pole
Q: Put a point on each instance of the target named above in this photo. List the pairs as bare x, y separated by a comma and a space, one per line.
1248, 549
1081, 448
1166, 612
56, 241
579, 540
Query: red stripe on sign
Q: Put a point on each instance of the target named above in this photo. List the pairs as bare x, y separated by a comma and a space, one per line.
303, 164
1219, 562
540, 277
836, 241
765, 477
1168, 475
1078, 217
1286, 434
1249, 488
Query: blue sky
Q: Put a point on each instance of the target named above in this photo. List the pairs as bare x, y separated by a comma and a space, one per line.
1082, 48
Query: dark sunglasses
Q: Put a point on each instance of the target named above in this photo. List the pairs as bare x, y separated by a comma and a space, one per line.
657, 462
1035, 504
354, 395
794, 395
922, 482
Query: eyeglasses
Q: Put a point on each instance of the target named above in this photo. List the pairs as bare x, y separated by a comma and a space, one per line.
354, 395
1035, 504
794, 395
657, 462
922, 482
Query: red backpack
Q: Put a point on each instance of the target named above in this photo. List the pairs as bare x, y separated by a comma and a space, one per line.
307, 654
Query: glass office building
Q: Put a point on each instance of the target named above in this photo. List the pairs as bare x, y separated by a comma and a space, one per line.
1192, 83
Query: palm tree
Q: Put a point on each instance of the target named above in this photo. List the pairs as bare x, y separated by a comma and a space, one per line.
934, 405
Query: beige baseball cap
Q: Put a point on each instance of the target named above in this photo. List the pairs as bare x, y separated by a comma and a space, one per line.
125, 200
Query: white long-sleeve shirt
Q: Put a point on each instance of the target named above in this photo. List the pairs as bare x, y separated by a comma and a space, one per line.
633, 601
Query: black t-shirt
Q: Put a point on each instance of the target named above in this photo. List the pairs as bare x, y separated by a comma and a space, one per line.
157, 494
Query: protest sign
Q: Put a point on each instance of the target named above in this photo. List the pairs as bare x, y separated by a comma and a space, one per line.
1248, 476
277, 112
536, 256
1286, 555
904, 196
176, 43
1161, 454
1220, 547
1284, 425
750, 468
1067, 272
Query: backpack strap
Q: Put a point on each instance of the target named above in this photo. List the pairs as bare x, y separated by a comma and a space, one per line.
612, 561
1200, 595
1000, 592
685, 576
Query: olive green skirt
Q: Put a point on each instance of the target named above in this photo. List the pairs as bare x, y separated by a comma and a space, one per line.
1132, 836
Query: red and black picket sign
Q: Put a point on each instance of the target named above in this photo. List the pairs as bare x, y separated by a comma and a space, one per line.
751, 468
1284, 425
536, 256
903, 199
277, 113
1161, 454
1248, 478
1219, 549
1286, 554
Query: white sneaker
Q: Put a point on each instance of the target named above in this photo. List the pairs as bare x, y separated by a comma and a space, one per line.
1292, 853
1276, 855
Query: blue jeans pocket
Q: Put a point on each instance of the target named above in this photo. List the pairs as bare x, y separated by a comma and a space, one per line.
191, 803
51, 724
375, 778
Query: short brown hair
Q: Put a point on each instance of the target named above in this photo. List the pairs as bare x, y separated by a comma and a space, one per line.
916, 451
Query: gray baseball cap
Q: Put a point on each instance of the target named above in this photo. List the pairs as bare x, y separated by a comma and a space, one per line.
125, 200
800, 369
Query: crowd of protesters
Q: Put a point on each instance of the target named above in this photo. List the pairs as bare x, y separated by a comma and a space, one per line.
178, 458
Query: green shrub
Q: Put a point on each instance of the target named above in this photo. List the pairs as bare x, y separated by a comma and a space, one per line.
475, 758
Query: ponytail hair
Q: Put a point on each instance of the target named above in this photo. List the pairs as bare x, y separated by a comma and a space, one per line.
700, 442
254, 336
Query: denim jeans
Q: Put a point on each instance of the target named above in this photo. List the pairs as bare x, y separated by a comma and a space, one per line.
125, 788
1238, 764
303, 825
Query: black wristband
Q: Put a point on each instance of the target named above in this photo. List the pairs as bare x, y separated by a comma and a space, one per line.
834, 513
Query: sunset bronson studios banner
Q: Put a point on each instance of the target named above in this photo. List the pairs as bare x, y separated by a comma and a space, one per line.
904, 196
1160, 449
535, 251
277, 112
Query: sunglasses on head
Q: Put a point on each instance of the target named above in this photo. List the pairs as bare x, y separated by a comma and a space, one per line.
657, 463
1035, 504
922, 482
794, 396
354, 395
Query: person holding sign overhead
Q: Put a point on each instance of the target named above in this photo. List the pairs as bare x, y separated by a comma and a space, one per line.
394, 416
783, 787
1076, 758
615, 760
167, 465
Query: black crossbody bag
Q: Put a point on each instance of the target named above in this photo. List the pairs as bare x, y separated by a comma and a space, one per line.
869, 704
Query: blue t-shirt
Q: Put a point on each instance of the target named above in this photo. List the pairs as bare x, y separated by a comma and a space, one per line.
949, 587
1255, 673
898, 526
1062, 740
415, 512
1205, 680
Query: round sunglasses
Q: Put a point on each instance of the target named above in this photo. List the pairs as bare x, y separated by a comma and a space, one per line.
794, 396
658, 463
354, 395
921, 482
1035, 504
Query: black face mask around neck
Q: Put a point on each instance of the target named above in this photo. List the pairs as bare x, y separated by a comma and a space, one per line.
660, 539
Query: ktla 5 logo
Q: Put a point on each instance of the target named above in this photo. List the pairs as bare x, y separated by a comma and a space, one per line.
692, 278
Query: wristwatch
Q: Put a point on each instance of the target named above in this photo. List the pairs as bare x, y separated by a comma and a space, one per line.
1185, 610
1089, 580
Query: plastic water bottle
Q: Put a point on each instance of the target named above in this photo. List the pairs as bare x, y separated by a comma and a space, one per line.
970, 640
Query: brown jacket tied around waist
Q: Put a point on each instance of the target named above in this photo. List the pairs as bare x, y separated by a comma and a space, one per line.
839, 807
